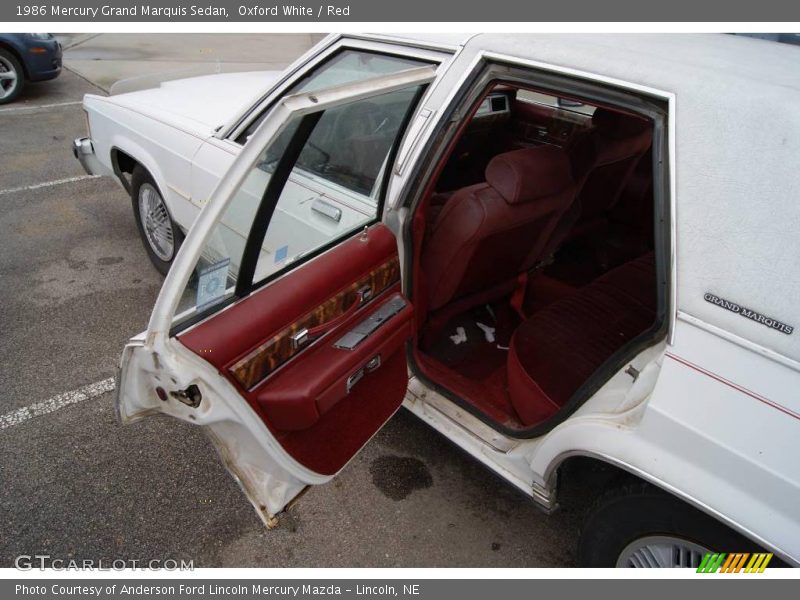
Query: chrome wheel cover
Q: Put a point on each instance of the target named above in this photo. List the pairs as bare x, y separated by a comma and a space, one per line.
156, 222
8, 78
661, 552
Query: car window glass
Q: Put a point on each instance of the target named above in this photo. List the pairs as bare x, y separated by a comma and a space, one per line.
348, 66
349, 144
214, 277
326, 196
330, 192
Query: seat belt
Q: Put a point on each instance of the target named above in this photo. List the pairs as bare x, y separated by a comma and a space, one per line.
517, 301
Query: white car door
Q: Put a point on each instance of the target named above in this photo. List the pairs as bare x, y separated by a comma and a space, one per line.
291, 359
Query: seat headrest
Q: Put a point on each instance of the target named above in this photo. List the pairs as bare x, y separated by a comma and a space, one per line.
616, 126
528, 174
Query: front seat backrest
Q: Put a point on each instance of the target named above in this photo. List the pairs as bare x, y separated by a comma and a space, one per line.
609, 155
489, 233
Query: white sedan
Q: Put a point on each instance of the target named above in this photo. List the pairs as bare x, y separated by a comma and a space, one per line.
560, 251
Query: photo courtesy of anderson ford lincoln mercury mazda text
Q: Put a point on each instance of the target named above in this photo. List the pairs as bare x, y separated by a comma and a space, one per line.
552, 249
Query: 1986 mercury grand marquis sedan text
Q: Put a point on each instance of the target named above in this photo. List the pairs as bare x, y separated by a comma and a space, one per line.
553, 249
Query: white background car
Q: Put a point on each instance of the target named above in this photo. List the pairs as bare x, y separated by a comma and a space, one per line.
612, 285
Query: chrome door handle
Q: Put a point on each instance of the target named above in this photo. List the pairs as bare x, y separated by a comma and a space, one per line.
326, 209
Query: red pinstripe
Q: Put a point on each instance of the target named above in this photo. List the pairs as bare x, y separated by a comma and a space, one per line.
735, 386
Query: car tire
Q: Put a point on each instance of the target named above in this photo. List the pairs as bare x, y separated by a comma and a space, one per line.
10, 64
161, 236
641, 526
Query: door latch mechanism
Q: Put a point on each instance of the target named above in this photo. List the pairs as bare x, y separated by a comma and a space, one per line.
191, 396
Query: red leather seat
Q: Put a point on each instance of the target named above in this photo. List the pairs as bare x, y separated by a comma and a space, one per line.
555, 351
488, 233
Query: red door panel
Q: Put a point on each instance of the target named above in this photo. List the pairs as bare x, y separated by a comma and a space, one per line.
339, 435
302, 393
297, 398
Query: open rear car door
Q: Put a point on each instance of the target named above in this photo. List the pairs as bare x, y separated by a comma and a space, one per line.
281, 326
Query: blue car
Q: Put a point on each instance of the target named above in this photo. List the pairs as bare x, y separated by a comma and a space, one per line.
26, 57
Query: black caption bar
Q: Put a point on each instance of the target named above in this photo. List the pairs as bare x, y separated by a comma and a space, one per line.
353, 589
408, 10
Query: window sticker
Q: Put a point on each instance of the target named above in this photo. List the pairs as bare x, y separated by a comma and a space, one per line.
211, 283
281, 254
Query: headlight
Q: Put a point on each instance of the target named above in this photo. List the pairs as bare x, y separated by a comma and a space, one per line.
41, 36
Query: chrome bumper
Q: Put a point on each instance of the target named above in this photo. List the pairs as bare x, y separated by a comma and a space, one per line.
83, 150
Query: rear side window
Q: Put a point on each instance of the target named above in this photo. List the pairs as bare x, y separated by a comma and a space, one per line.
347, 66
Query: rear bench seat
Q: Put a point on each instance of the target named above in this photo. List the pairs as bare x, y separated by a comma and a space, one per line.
555, 351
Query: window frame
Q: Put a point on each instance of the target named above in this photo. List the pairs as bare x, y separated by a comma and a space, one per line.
294, 76
272, 194
489, 69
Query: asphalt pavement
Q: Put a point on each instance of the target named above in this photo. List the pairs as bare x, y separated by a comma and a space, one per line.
75, 284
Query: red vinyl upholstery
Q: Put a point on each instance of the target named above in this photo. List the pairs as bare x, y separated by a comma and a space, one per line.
296, 399
488, 233
555, 351
306, 404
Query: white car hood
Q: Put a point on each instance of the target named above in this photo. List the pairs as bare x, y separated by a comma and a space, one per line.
200, 105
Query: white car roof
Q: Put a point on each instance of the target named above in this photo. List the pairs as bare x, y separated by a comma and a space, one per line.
764, 60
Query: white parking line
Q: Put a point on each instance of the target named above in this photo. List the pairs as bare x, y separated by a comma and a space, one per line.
40, 106
45, 184
87, 392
